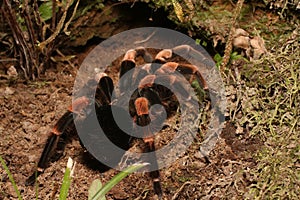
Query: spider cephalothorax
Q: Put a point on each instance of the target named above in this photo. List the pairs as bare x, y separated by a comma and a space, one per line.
146, 94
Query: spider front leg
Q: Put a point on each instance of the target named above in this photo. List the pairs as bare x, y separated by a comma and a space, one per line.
129, 62
165, 55
57, 131
104, 89
188, 70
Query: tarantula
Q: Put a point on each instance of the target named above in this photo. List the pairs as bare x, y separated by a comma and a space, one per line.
147, 94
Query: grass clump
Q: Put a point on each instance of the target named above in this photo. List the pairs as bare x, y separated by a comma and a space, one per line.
273, 114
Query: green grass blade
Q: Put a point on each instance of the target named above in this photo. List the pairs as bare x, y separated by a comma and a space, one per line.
10, 178
116, 179
66, 180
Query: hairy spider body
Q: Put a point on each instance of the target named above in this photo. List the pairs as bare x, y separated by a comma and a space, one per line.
148, 93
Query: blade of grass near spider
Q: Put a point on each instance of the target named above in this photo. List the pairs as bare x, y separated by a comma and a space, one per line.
115, 180
10, 178
67, 180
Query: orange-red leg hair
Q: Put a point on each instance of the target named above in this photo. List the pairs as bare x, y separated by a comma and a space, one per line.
155, 175
142, 106
130, 56
185, 69
57, 131
129, 62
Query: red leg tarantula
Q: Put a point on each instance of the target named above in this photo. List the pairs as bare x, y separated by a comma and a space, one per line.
148, 92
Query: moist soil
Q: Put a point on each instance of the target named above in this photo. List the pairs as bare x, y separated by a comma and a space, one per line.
29, 109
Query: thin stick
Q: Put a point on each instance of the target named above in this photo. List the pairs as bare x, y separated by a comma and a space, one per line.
71, 18
228, 47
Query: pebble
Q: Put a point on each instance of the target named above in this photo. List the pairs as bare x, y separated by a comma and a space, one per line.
8, 91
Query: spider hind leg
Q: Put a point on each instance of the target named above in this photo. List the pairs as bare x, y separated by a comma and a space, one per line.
51, 145
59, 130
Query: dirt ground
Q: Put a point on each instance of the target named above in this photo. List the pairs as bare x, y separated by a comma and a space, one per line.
29, 110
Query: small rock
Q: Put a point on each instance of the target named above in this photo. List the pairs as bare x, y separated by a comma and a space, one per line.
198, 164
258, 45
239, 115
32, 158
241, 42
8, 91
12, 72
198, 155
11, 190
239, 130
29, 127
240, 32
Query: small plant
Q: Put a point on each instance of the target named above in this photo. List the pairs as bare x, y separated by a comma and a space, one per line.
11, 178
36, 30
233, 56
97, 191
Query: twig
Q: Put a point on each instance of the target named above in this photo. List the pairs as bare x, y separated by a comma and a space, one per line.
8, 60
53, 21
239, 93
33, 53
228, 47
37, 17
23, 49
71, 18
175, 196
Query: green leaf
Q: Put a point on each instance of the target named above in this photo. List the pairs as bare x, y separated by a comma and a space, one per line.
116, 179
218, 59
94, 188
45, 10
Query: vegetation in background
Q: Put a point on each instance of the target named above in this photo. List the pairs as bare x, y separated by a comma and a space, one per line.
66, 182
36, 30
272, 112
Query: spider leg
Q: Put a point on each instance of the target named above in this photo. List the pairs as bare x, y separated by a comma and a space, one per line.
155, 175
129, 62
187, 70
104, 89
147, 97
175, 83
57, 131
163, 56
